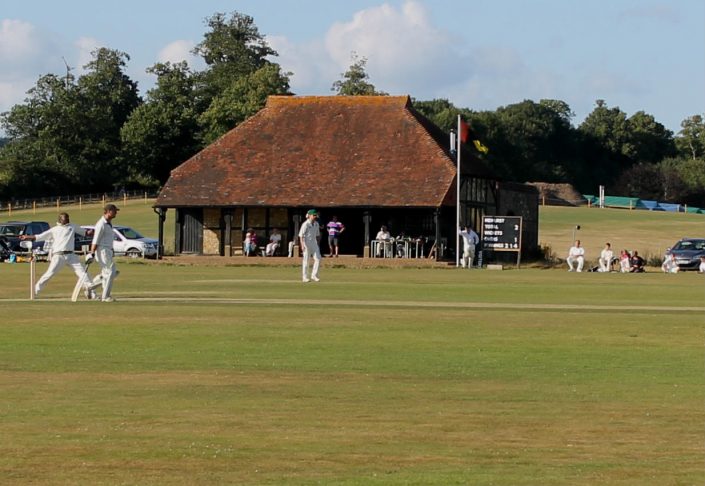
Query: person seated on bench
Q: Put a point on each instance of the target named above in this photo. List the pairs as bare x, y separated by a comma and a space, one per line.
401, 244
275, 240
605, 260
576, 254
384, 241
636, 263
250, 243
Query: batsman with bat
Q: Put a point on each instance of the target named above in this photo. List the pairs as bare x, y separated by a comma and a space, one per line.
62, 254
102, 252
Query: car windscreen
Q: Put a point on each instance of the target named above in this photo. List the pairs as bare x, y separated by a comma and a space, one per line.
690, 245
11, 230
129, 233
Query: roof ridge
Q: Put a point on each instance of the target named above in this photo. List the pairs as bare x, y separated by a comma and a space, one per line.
281, 100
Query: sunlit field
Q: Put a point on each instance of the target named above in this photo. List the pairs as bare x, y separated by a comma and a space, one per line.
234, 374
649, 232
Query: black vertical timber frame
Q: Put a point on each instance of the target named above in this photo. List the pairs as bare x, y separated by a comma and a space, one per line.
161, 214
437, 223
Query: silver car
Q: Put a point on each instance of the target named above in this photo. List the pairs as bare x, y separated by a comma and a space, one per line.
129, 242
687, 253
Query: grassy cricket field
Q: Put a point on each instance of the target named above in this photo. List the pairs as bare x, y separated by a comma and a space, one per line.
236, 374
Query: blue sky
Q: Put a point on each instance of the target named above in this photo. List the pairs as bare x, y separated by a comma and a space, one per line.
479, 54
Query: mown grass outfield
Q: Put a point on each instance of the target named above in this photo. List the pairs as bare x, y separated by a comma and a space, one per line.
244, 375
222, 375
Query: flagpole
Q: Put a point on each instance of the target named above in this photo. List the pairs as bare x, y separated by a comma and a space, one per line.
457, 200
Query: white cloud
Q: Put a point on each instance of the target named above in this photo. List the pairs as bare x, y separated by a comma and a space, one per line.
313, 71
26, 53
18, 40
177, 51
405, 53
85, 46
11, 93
24, 50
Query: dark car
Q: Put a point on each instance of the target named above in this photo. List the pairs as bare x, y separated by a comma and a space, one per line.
4, 249
688, 252
12, 230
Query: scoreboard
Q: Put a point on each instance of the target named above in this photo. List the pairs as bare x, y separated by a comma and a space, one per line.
501, 233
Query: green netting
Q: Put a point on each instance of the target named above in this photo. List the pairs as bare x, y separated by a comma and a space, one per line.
621, 202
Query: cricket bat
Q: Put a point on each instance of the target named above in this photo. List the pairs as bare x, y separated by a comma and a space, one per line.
79, 284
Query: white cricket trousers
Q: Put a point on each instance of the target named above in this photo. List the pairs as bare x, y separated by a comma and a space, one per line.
57, 263
104, 257
308, 253
604, 265
580, 259
468, 256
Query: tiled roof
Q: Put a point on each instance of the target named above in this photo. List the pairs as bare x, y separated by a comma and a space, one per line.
321, 151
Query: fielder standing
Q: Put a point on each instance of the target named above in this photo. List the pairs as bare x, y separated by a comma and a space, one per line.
62, 252
310, 236
102, 251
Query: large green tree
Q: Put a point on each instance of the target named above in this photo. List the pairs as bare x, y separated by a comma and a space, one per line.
528, 141
108, 97
440, 111
163, 132
355, 80
691, 139
65, 137
244, 97
239, 74
187, 110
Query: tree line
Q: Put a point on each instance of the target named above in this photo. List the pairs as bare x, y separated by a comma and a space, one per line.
96, 133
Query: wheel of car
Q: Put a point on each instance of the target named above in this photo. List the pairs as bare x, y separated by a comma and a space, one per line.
133, 253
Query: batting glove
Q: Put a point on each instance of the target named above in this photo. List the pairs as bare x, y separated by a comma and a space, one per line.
89, 258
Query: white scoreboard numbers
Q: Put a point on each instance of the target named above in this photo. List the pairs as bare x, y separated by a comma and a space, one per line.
501, 233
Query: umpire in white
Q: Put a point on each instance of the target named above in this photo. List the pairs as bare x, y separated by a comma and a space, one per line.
470, 241
62, 252
102, 251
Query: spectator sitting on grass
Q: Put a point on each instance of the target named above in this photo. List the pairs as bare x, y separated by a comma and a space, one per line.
636, 263
576, 254
624, 261
669, 264
605, 260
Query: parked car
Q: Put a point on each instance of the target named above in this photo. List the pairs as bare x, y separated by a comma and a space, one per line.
129, 242
12, 230
688, 252
5, 251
